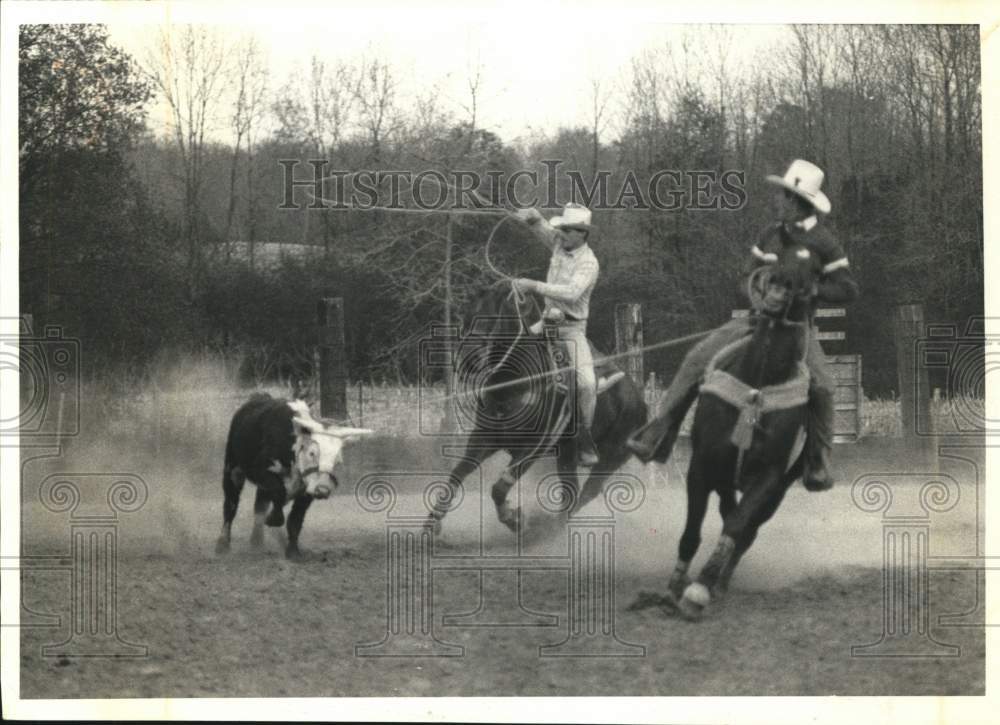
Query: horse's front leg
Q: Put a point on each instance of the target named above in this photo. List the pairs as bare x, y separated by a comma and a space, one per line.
697, 503
471, 459
509, 516
764, 493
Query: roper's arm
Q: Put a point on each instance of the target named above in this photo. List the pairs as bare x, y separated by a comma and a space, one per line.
543, 231
837, 287
584, 277
836, 283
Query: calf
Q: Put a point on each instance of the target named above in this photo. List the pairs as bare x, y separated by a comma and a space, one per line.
288, 455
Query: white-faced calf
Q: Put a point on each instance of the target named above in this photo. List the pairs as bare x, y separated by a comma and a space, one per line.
288, 455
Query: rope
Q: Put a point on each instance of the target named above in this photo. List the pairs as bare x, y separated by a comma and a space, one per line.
486, 250
754, 290
507, 214
567, 368
490, 207
518, 299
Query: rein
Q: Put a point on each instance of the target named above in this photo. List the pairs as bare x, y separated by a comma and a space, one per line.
518, 297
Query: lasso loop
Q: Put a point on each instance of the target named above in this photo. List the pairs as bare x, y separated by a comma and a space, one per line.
757, 284
486, 249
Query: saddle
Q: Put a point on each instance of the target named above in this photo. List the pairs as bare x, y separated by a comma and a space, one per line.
752, 403
605, 371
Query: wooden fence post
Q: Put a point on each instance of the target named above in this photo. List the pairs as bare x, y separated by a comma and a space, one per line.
332, 358
628, 338
914, 390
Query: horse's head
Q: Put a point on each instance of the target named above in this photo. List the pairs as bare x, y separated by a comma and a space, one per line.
789, 285
496, 342
501, 314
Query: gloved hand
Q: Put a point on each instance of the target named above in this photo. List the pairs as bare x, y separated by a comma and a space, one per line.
525, 285
528, 216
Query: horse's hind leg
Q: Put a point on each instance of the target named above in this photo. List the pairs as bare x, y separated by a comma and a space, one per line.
727, 504
594, 484
510, 517
763, 514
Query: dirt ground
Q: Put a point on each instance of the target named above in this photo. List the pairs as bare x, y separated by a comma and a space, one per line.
252, 624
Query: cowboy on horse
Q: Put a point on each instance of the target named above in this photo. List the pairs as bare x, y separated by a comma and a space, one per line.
572, 274
798, 201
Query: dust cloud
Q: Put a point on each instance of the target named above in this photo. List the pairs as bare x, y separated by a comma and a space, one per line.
177, 452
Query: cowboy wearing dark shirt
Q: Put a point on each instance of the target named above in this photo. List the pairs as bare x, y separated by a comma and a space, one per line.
798, 201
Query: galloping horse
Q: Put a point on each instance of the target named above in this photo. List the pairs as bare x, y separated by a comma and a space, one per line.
748, 428
512, 371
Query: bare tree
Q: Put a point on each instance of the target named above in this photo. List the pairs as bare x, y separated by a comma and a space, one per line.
188, 66
375, 93
318, 114
600, 97
251, 79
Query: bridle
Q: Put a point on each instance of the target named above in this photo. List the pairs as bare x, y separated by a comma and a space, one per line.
757, 284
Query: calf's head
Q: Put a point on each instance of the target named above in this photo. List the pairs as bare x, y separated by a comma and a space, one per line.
317, 449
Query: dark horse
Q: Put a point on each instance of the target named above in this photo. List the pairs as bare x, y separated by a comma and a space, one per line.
513, 397
748, 430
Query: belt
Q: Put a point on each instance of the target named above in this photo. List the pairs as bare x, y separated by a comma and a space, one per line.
566, 318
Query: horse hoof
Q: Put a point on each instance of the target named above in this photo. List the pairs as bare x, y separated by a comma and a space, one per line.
276, 517
677, 586
692, 605
691, 611
257, 538
294, 554
222, 546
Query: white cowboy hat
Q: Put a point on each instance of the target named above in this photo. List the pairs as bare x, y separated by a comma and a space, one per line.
804, 179
574, 216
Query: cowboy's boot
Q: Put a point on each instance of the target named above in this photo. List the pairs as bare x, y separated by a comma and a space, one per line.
655, 440
816, 475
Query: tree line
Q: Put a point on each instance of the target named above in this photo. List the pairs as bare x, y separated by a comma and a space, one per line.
129, 239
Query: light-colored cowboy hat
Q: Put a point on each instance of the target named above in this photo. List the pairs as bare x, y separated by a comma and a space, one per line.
804, 179
574, 216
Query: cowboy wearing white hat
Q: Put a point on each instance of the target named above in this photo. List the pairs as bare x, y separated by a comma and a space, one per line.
573, 271
797, 204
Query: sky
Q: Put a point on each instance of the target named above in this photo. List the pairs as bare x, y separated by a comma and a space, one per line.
536, 70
